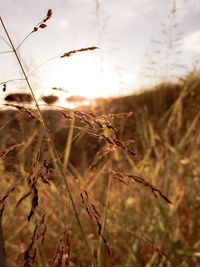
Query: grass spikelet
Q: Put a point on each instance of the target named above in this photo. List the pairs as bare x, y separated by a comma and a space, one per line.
30, 253
46, 166
94, 215
72, 52
23, 110
2, 209
43, 233
22, 198
3, 200
68, 244
44, 173
9, 150
4, 87
99, 157
27, 254
89, 119
63, 245
118, 115
45, 181
141, 181
117, 143
34, 192
84, 118
32, 180
66, 115
60, 89
151, 244
119, 179
6, 195
41, 25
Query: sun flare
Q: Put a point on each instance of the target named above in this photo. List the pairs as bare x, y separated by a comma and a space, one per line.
83, 75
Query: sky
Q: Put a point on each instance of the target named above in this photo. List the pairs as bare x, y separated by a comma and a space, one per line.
139, 43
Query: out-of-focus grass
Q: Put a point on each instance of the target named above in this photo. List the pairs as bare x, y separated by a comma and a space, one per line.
139, 228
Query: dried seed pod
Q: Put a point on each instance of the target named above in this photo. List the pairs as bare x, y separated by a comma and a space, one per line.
4, 87
43, 25
49, 13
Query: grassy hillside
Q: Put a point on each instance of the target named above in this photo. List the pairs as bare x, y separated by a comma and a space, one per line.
122, 200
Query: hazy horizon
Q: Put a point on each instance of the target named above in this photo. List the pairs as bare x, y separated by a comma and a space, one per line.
130, 36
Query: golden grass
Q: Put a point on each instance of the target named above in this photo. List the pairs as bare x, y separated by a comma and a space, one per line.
110, 214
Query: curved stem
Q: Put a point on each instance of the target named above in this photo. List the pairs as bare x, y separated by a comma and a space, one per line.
51, 144
13, 80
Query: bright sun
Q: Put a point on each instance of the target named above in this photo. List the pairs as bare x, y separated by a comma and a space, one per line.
82, 74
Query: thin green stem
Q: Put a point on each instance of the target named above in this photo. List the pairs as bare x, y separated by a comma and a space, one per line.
51, 144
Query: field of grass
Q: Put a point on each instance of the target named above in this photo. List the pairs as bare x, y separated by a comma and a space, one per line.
122, 200
115, 186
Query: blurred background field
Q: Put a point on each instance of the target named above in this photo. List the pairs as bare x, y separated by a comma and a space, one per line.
139, 228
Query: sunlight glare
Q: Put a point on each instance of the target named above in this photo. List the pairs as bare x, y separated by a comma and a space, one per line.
82, 74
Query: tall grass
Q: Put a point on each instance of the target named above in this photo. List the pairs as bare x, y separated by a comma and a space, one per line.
76, 191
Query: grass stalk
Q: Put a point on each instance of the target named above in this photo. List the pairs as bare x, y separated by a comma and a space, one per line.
101, 243
50, 141
2, 250
69, 141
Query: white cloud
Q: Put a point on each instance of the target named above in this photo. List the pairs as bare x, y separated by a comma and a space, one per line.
192, 42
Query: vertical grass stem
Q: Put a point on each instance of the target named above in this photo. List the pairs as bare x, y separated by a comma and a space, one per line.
51, 144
